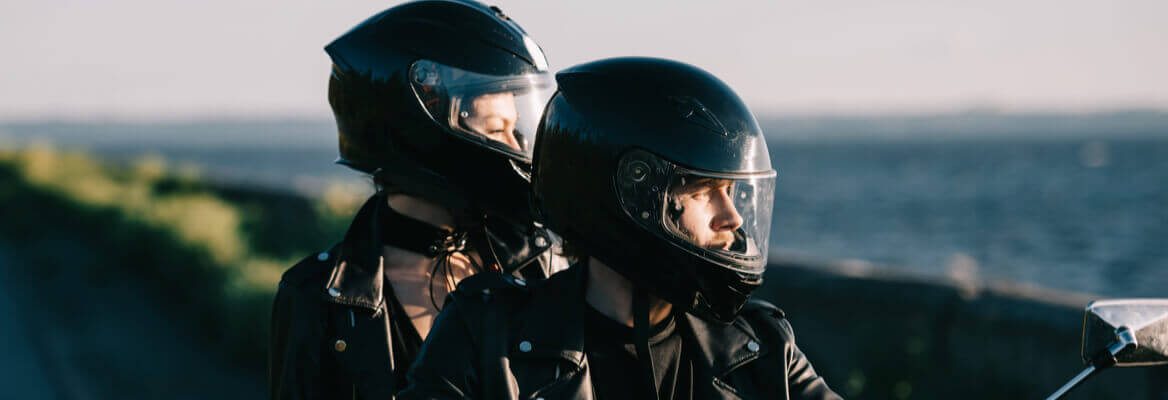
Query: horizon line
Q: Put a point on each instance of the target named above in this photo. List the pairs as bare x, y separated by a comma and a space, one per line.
117, 117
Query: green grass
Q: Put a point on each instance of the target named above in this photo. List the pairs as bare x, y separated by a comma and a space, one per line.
216, 253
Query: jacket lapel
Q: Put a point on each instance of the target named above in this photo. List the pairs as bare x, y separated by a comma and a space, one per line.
719, 349
551, 325
549, 340
357, 276
357, 280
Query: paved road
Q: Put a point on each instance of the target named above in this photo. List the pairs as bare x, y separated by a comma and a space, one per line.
23, 373
76, 334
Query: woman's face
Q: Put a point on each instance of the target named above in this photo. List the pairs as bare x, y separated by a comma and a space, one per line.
493, 116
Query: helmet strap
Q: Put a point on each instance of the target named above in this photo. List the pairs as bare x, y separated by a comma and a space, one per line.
641, 327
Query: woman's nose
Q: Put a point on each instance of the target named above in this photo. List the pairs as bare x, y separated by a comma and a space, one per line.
501, 129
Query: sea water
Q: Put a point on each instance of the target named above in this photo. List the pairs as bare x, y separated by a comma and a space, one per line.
1087, 215
1083, 215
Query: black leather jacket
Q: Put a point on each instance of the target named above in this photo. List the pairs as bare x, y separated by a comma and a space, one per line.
502, 338
331, 335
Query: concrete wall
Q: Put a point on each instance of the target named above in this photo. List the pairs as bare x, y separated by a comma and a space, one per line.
876, 335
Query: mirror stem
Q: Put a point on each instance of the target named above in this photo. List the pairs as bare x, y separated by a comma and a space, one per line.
1087, 373
1123, 338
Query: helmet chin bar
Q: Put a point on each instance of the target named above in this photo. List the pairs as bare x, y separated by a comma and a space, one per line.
722, 302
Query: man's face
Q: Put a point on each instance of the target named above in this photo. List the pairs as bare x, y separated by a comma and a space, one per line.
493, 116
708, 217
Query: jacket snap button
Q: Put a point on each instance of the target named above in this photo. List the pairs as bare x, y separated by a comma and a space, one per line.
752, 346
323, 256
340, 346
334, 292
525, 346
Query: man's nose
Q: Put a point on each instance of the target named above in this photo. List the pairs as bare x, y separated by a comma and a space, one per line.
726, 217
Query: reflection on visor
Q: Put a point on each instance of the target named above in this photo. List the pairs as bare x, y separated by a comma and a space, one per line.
499, 112
720, 217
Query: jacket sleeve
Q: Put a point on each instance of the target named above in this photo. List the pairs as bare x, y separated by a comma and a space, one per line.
445, 366
802, 381
294, 359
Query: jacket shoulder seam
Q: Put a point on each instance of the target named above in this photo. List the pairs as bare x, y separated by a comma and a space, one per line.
489, 281
309, 268
763, 306
764, 316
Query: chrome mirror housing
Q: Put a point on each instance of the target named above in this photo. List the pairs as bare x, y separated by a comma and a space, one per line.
1145, 320
1124, 333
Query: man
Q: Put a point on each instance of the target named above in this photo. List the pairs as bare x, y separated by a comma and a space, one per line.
658, 175
438, 101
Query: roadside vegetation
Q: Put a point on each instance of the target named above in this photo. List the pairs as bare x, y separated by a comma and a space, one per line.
210, 252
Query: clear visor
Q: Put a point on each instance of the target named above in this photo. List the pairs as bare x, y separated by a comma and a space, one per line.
724, 218
498, 112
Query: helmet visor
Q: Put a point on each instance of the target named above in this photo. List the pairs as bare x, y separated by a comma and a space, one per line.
497, 112
722, 217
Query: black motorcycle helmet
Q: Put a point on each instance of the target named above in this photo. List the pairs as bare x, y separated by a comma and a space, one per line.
441, 99
620, 147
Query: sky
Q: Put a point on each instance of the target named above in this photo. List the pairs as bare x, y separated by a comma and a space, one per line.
162, 59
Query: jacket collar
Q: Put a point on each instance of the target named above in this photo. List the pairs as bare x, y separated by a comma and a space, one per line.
552, 325
357, 275
721, 348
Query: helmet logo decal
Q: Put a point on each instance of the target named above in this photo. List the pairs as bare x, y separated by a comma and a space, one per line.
695, 113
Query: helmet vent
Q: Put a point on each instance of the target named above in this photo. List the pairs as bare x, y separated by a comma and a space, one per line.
695, 113
499, 13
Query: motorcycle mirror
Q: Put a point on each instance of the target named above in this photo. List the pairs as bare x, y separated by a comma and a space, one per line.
1146, 320
1123, 333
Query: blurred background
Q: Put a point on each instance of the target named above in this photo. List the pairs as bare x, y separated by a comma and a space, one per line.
161, 164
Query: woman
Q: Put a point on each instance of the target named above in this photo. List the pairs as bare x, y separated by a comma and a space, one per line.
437, 101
